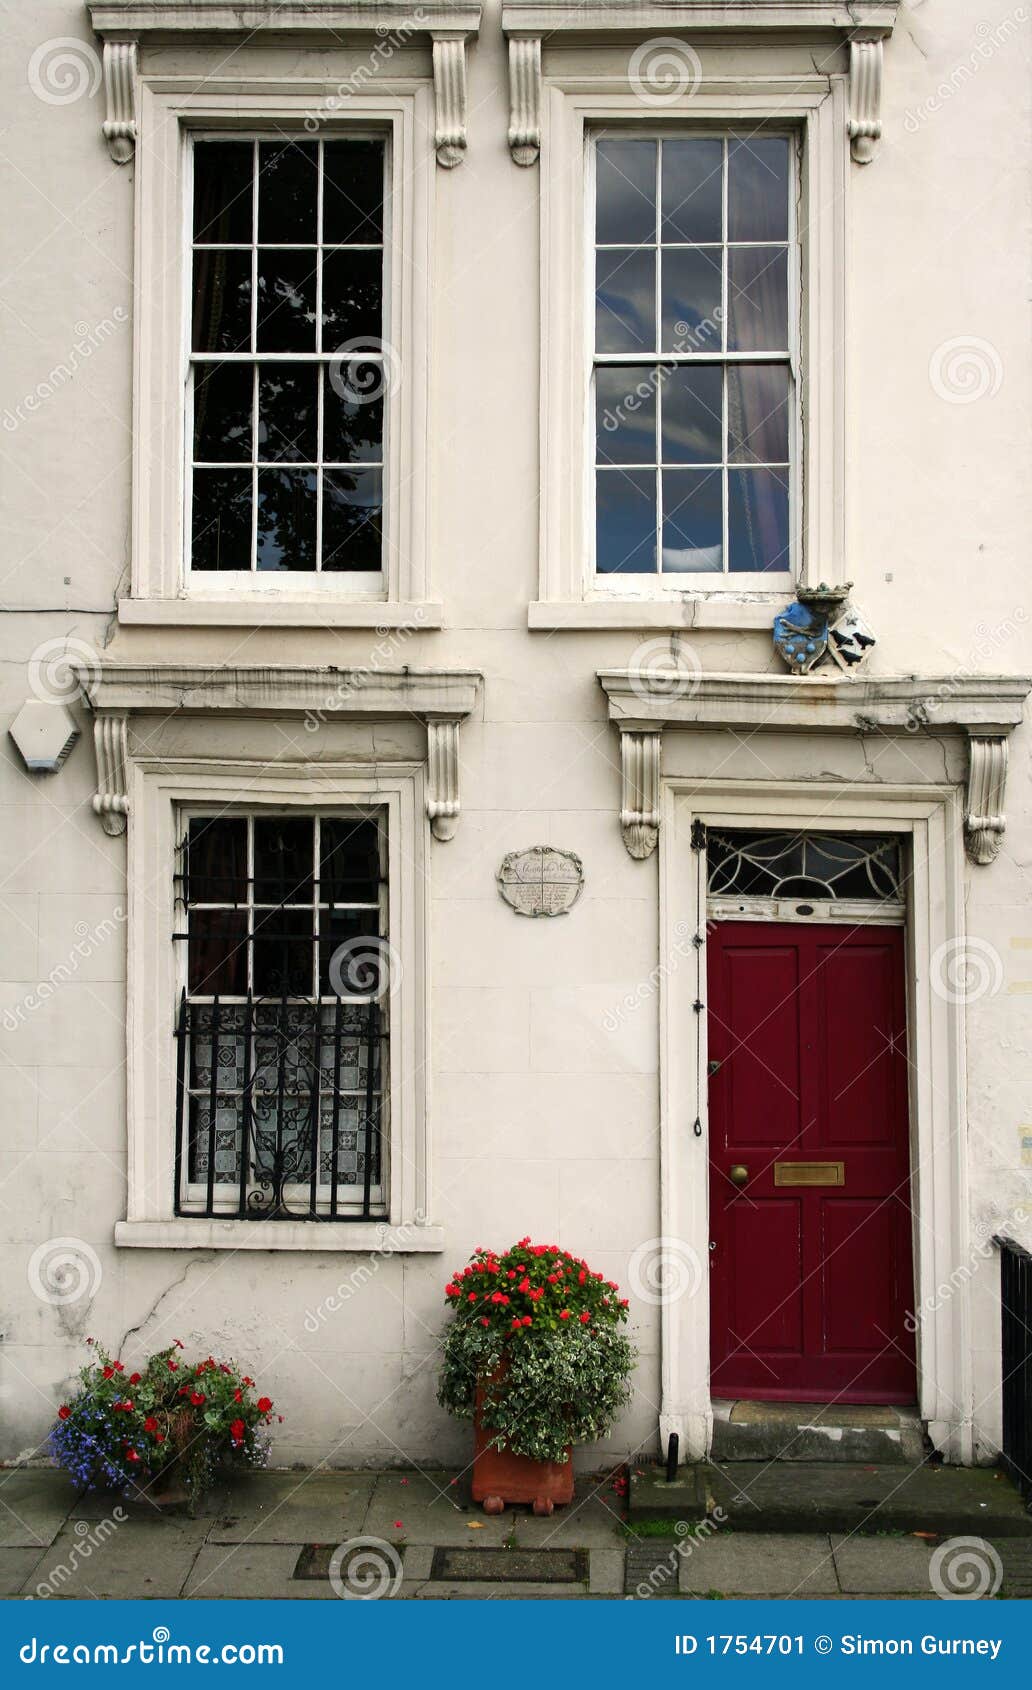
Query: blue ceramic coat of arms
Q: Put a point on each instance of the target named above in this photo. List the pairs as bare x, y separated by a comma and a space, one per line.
801, 636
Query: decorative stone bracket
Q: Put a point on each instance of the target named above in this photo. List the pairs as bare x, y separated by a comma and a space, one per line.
639, 809
442, 698
120, 94
450, 99
866, 66
525, 98
983, 708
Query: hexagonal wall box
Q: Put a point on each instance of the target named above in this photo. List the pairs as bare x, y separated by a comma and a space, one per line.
44, 734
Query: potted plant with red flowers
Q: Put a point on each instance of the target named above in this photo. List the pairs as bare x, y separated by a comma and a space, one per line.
536, 1358
161, 1431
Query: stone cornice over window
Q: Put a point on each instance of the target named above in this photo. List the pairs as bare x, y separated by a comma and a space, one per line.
985, 708
120, 692
446, 25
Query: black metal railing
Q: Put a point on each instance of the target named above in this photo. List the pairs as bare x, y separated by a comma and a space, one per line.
279, 1109
1016, 1322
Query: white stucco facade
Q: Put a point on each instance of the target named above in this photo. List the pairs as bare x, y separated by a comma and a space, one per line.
544, 1080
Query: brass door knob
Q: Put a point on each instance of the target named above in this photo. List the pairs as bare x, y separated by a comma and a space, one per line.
738, 1173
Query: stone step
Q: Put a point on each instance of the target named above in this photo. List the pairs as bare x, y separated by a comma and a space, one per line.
800, 1431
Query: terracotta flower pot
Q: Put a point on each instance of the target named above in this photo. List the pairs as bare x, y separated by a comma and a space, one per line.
499, 1473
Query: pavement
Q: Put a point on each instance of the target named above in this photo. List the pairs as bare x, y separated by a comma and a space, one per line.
415, 1534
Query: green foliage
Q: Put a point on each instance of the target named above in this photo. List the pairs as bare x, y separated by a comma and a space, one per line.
536, 1345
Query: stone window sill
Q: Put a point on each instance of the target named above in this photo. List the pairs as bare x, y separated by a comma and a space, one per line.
757, 611
270, 610
361, 1237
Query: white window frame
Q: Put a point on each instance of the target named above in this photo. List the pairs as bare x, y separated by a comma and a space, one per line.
364, 583
169, 114
574, 107
161, 790
294, 1193
688, 581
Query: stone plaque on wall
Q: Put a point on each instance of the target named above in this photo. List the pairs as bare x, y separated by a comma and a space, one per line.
541, 881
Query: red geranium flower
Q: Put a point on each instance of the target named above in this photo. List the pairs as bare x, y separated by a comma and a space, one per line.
237, 1430
109, 1373
134, 1378
64, 1412
131, 1455
264, 1405
238, 1396
197, 1398
150, 1424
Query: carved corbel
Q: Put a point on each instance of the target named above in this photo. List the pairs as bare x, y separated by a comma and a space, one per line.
525, 99
442, 792
866, 62
111, 800
639, 810
450, 99
984, 818
120, 95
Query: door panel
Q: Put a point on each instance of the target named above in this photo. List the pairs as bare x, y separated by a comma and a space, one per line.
810, 1283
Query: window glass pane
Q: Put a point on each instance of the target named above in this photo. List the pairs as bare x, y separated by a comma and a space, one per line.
757, 188
287, 413
691, 299
286, 301
693, 520
216, 861
286, 519
284, 946
692, 414
350, 869
288, 190
284, 854
352, 515
353, 412
757, 413
349, 956
222, 189
758, 519
626, 522
221, 530
352, 297
217, 947
222, 398
625, 192
625, 414
758, 299
222, 301
352, 191
693, 190
625, 308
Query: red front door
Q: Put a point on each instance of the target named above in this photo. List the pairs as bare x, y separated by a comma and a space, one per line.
811, 1274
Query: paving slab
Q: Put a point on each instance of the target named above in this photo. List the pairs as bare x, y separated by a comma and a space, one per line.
420, 1509
883, 1566
16, 1569
1016, 1555
841, 1497
651, 1497
34, 1504
132, 1560
434, 1590
588, 1522
606, 1571
253, 1570
294, 1508
776, 1565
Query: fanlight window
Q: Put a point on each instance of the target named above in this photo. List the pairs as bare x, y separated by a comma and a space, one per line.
851, 867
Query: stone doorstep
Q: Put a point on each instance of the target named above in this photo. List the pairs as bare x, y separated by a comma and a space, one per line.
798, 1431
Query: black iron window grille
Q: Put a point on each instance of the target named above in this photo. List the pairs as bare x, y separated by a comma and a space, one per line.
848, 867
1016, 1333
283, 1027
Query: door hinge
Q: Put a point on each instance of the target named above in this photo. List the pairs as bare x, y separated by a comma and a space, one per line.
698, 1006
698, 836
